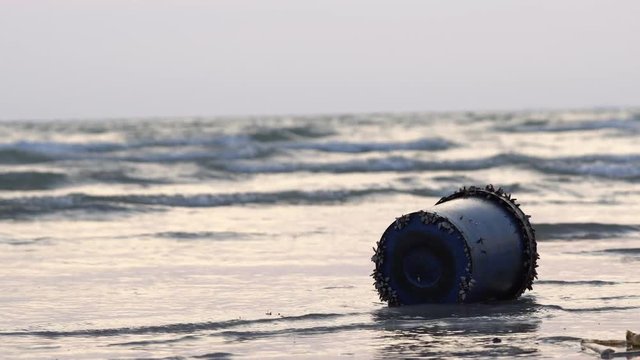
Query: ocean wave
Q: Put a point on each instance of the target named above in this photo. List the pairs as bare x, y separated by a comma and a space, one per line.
624, 167
619, 297
587, 309
201, 156
11, 156
426, 144
237, 335
16, 241
31, 180
627, 125
623, 251
250, 159
204, 235
120, 176
17, 208
219, 355
197, 149
25, 206
58, 148
576, 282
582, 231
154, 342
288, 133
154, 150
600, 309
238, 149
176, 328
393, 163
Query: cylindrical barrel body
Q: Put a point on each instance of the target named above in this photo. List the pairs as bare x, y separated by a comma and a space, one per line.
473, 245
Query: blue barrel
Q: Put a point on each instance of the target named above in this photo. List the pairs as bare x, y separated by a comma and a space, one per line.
473, 245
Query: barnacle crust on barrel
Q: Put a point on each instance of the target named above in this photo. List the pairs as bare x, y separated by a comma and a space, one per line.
473, 245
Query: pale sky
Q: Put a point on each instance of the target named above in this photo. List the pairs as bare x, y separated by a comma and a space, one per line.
128, 58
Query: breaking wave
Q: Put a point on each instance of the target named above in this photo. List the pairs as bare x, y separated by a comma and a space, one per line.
393, 163
25, 206
195, 149
623, 167
287, 133
626, 125
582, 231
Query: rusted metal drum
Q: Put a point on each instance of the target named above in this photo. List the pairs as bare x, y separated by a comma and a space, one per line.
473, 245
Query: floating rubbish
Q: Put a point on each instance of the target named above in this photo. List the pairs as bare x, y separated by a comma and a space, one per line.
604, 347
473, 245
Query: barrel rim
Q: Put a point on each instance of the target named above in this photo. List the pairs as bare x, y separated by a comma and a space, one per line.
382, 282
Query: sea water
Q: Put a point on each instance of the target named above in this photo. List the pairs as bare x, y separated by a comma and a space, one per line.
206, 238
